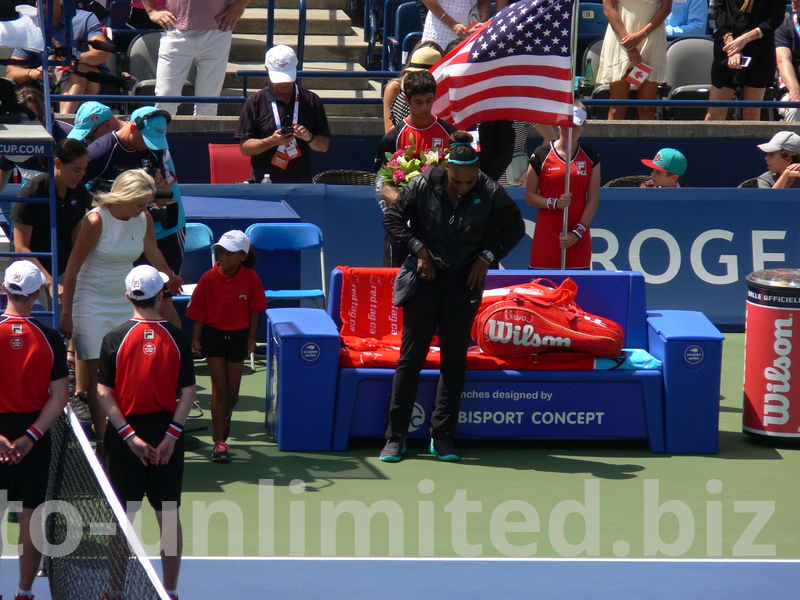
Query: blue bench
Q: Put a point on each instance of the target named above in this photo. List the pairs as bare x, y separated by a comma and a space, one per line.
314, 404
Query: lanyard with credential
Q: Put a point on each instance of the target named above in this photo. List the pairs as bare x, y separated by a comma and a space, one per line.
293, 143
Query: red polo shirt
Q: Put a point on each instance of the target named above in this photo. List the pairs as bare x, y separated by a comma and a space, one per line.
225, 302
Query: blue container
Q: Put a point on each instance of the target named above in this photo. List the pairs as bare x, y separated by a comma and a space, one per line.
302, 368
692, 352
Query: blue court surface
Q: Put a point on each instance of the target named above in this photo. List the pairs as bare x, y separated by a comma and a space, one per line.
439, 579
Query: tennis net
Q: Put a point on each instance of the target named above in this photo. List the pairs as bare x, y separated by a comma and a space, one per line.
88, 554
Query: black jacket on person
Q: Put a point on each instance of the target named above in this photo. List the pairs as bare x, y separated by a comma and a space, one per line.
455, 231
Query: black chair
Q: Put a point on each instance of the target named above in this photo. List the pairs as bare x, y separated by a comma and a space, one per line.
345, 177
629, 181
749, 183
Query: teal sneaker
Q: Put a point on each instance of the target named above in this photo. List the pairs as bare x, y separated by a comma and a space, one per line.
444, 450
394, 449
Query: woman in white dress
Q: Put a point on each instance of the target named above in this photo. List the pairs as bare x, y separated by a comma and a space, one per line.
448, 20
110, 238
635, 34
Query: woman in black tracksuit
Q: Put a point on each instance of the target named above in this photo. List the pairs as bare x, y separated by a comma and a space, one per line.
454, 221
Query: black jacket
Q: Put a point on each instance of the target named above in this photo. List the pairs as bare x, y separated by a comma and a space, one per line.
486, 218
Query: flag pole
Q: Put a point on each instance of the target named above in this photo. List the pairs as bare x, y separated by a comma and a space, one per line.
573, 45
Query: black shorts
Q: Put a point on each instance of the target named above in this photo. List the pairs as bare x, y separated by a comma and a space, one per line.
172, 249
760, 73
131, 479
25, 482
230, 345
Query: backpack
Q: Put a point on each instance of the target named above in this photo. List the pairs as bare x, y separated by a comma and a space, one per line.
536, 318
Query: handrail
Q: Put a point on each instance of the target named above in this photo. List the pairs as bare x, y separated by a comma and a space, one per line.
301, 29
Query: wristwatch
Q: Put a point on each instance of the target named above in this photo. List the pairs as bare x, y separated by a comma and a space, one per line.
416, 246
488, 254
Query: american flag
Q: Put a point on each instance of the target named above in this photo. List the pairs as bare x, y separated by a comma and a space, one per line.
516, 66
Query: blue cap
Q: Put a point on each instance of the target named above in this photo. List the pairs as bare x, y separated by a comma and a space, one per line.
153, 127
89, 115
669, 160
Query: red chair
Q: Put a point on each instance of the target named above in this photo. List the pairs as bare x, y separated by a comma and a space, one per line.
227, 164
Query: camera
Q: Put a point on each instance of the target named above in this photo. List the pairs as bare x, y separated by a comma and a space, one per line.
167, 214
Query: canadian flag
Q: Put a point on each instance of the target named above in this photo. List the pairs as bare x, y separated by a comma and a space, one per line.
638, 74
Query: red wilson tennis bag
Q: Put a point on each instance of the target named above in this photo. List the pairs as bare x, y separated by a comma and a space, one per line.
522, 324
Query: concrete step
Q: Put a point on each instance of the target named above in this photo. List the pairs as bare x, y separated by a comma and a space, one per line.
319, 21
250, 48
323, 83
351, 110
331, 4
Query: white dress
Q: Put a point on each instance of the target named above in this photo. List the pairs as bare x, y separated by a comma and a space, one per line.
440, 33
614, 63
100, 304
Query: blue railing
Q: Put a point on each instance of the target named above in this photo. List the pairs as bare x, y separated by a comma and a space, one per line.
301, 29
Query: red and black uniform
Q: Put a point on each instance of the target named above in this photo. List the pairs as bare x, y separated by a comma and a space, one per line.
145, 363
435, 135
33, 356
224, 304
551, 169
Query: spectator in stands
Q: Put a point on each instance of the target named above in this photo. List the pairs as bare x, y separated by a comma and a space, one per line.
73, 200
34, 392
85, 28
144, 445
198, 33
668, 166
111, 237
141, 143
33, 98
448, 20
688, 17
92, 121
545, 185
281, 124
783, 162
635, 36
516, 170
138, 17
427, 132
453, 221
787, 54
745, 32
395, 105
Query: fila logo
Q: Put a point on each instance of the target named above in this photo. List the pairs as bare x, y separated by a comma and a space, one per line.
16, 328
149, 334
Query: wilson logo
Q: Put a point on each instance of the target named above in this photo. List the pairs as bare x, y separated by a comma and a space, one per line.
523, 335
776, 404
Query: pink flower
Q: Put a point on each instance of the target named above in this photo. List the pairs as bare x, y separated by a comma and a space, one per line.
399, 176
398, 153
393, 163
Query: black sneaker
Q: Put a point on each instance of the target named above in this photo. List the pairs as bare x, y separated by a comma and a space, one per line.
220, 453
444, 450
394, 449
80, 407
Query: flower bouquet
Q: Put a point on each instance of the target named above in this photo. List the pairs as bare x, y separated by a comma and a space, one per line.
402, 166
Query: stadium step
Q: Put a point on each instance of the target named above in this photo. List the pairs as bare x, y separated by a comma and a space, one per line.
319, 21
332, 43
248, 47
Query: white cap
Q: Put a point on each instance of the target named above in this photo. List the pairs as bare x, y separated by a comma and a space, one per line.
234, 240
144, 282
23, 277
281, 62
783, 140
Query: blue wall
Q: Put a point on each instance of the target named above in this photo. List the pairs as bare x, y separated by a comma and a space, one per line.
695, 246
712, 162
